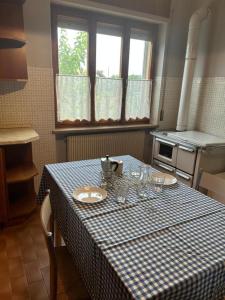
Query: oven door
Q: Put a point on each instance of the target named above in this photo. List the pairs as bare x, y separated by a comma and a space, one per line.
165, 151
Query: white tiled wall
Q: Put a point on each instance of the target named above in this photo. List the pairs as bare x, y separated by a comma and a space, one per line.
31, 103
207, 109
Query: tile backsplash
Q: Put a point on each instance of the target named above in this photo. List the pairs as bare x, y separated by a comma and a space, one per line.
207, 106
31, 103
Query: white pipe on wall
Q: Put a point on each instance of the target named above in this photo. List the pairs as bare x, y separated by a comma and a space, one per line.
190, 61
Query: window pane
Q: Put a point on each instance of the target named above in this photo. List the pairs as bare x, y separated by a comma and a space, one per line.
72, 49
108, 52
108, 99
138, 99
139, 59
73, 97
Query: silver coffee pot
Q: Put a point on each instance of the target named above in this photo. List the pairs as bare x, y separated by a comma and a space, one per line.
108, 165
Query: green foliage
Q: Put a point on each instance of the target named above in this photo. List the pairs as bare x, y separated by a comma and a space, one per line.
72, 56
134, 77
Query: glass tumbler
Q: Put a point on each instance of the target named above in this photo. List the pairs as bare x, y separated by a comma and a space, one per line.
158, 180
143, 186
121, 186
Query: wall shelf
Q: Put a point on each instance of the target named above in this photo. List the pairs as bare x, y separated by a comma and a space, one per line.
21, 173
7, 42
17, 170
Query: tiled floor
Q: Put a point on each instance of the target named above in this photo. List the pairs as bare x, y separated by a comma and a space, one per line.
24, 263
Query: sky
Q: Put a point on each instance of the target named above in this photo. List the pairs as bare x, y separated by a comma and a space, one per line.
109, 52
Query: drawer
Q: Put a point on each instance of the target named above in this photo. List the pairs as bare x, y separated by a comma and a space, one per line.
184, 177
163, 167
186, 159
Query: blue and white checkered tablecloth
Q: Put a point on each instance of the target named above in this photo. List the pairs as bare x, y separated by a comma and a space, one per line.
168, 247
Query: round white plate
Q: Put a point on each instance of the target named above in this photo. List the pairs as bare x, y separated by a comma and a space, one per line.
169, 179
89, 194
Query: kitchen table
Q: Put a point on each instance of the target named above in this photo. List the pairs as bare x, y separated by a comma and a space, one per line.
171, 246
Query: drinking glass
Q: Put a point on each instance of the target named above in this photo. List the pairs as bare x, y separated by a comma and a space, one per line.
158, 180
121, 186
143, 186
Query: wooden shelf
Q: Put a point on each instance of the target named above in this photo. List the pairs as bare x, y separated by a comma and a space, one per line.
7, 42
21, 208
21, 173
17, 136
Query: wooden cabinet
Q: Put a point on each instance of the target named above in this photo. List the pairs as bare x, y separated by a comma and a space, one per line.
13, 63
17, 171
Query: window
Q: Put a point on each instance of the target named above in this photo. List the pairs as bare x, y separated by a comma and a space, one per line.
139, 84
102, 68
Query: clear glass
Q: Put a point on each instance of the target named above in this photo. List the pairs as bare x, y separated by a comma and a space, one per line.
72, 51
143, 186
121, 186
138, 96
108, 56
139, 59
158, 180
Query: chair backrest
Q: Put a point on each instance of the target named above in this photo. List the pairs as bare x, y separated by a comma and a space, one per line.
212, 183
46, 222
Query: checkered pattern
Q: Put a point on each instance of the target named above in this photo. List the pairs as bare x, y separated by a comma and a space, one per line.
159, 248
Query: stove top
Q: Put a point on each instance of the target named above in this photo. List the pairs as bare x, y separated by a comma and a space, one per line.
197, 138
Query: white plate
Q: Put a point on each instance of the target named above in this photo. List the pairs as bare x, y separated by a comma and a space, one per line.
169, 179
89, 194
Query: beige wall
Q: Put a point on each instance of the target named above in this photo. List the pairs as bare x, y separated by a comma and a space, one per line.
155, 7
31, 103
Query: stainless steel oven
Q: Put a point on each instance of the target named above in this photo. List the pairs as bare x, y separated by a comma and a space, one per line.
165, 151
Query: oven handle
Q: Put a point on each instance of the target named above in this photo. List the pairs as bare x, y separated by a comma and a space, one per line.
164, 167
166, 142
186, 149
186, 177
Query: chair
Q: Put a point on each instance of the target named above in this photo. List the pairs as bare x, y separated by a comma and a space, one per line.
214, 185
60, 260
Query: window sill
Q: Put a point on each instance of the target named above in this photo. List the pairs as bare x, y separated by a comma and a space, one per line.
98, 129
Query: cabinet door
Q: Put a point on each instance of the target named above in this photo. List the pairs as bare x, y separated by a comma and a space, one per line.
186, 159
3, 188
184, 177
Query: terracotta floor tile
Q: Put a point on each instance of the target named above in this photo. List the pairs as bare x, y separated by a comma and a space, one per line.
5, 296
46, 277
19, 297
2, 244
5, 286
28, 254
62, 296
43, 257
38, 291
13, 250
33, 272
24, 263
4, 267
16, 268
20, 287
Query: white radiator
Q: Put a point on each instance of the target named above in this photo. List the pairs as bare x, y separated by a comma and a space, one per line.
90, 146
